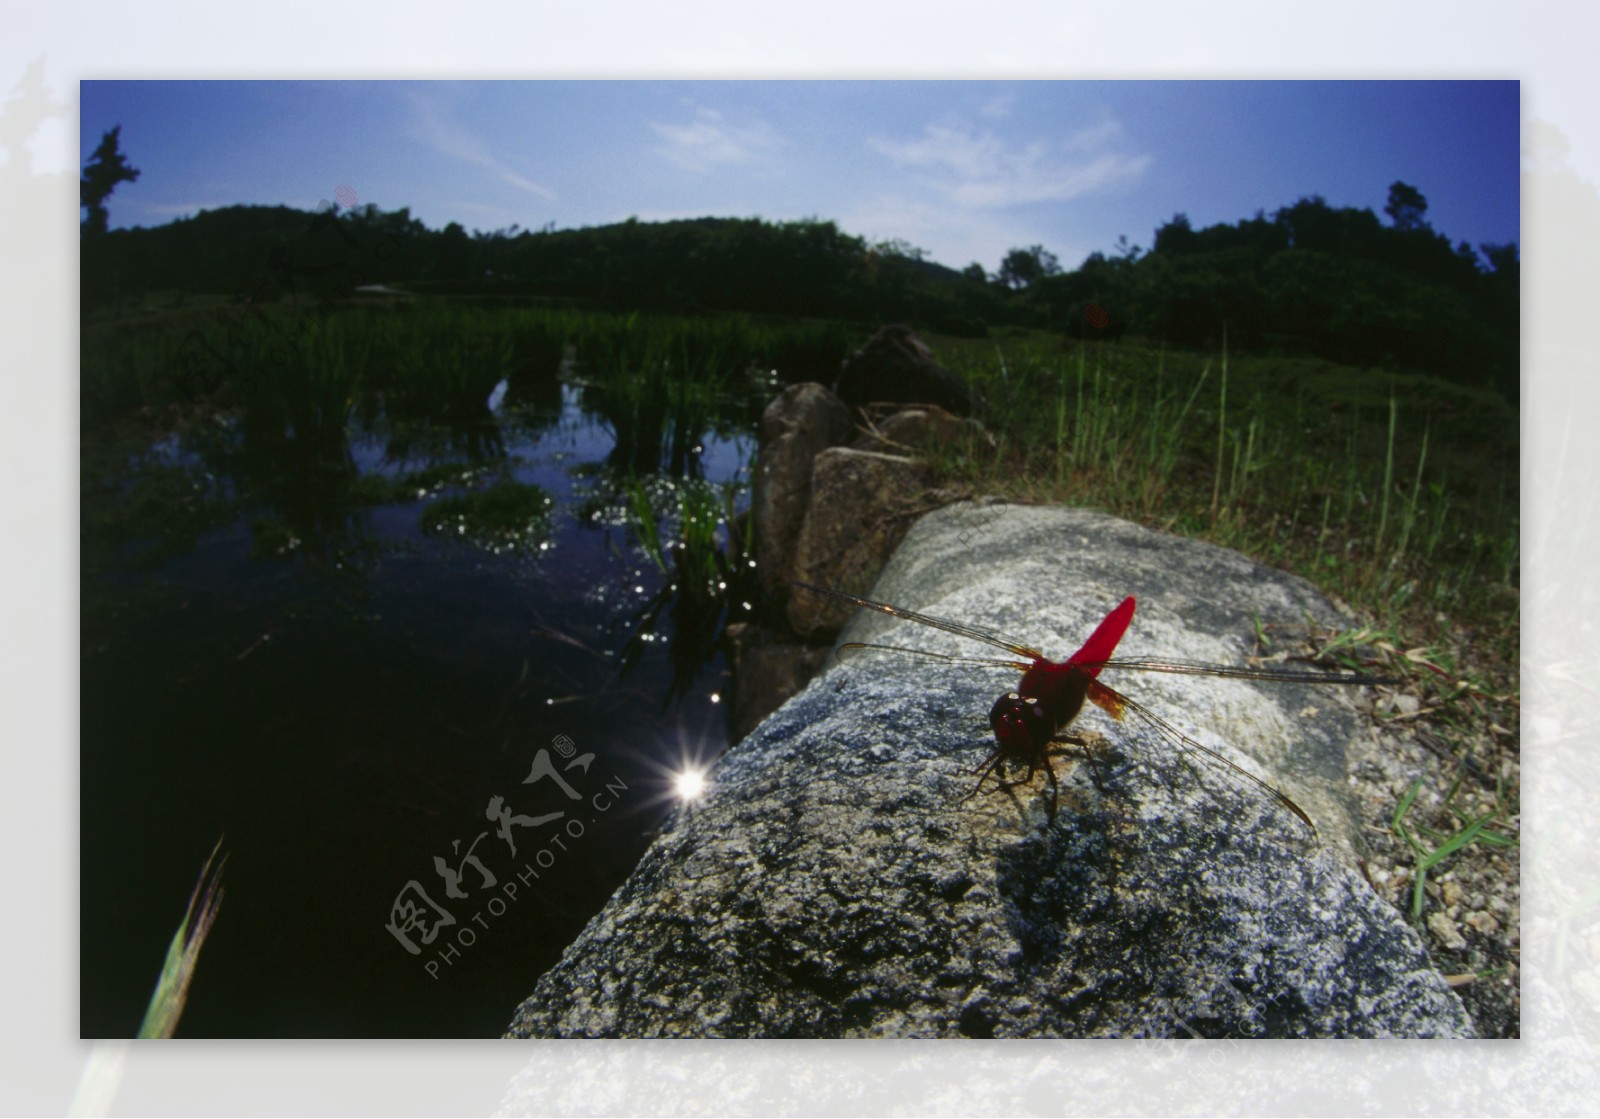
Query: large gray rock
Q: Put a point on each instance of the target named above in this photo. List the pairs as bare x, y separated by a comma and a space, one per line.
802, 422
835, 883
862, 504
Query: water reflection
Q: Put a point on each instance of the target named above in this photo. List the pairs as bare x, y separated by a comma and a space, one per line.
362, 621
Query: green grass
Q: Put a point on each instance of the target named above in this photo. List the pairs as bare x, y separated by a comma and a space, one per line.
1470, 830
172, 990
103, 1072
661, 380
506, 515
443, 363
267, 396
1396, 493
141, 512
1399, 494
690, 531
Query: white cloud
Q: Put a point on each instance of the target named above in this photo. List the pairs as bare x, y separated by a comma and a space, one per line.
452, 139
709, 142
998, 107
1094, 136
982, 171
952, 236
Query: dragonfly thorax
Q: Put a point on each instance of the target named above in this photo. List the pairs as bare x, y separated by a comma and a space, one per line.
1060, 687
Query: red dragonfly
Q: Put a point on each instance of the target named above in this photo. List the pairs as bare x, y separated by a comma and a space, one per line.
1051, 694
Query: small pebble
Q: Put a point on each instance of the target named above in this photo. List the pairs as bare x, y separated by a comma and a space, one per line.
1445, 929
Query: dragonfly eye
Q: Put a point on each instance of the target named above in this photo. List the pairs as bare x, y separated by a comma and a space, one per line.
1021, 725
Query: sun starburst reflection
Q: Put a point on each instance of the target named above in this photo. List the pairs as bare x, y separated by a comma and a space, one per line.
690, 785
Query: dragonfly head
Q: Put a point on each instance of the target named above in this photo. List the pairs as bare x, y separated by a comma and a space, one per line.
1021, 725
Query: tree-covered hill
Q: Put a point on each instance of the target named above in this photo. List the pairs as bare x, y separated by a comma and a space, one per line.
1311, 278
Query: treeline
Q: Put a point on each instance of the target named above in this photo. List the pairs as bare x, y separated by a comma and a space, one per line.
1316, 279
1311, 278
802, 268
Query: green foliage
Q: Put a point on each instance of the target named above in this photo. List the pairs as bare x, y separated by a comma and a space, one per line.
663, 382
138, 510
1309, 279
288, 379
1399, 494
444, 365
1470, 830
298, 392
1022, 267
506, 515
128, 364
1312, 279
263, 254
688, 530
380, 489
692, 532
1405, 206
183, 955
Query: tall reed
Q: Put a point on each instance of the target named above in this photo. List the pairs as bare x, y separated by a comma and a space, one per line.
1279, 457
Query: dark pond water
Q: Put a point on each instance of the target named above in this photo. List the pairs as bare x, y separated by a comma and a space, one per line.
346, 698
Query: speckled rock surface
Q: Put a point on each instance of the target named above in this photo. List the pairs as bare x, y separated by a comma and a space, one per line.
835, 883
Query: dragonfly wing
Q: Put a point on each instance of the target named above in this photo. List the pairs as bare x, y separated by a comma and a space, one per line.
1109, 701
854, 648
999, 641
1115, 704
1236, 672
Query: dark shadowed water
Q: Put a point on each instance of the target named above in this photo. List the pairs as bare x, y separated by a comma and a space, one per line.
346, 698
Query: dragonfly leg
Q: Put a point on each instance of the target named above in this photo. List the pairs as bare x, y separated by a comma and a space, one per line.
1034, 765
997, 759
1083, 748
1027, 779
987, 767
1023, 780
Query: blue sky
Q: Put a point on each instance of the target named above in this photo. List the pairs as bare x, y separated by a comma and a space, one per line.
964, 170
